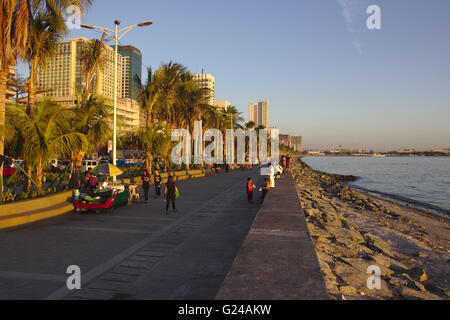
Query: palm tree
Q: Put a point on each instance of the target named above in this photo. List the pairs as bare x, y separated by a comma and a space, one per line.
15, 26
250, 125
10, 46
45, 31
191, 101
233, 117
169, 77
148, 95
92, 60
46, 133
92, 118
151, 138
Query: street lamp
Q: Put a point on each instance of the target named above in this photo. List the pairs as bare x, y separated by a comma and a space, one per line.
116, 35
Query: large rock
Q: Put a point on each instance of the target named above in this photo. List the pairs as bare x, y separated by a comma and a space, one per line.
376, 243
348, 290
411, 294
417, 274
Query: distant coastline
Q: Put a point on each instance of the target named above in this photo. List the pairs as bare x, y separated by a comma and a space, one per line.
351, 180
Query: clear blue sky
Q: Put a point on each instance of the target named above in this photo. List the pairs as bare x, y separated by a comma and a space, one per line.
327, 76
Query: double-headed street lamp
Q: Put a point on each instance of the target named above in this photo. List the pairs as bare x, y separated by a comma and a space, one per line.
116, 35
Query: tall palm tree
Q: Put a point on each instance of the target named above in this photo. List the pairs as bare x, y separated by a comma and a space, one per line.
47, 133
45, 32
169, 77
233, 117
92, 60
15, 18
191, 100
12, 43
148, 95
92, 118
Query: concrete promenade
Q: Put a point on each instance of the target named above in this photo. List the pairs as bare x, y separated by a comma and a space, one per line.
277, 260
137, 252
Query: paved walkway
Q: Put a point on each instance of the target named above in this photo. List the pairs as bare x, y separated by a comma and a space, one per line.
277, 260
134, 252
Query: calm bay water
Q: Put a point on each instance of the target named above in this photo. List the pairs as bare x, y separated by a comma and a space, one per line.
425, 180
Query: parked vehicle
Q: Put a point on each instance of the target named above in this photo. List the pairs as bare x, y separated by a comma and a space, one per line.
8, 171
90, 163
100, 206
59, 165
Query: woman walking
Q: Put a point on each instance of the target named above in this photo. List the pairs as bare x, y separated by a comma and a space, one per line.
170, 193
158, 180
145, 184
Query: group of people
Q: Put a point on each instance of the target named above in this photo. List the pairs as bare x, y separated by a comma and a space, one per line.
90, 182
272, 171
170, 190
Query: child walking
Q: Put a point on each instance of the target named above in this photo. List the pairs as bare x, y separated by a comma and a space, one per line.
250, 187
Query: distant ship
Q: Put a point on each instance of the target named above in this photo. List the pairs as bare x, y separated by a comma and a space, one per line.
379, 155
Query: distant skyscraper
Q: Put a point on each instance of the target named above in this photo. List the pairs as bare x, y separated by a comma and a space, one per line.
294, 142
207, 81
131, 67
259, 113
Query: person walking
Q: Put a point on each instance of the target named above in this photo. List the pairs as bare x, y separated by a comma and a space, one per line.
265, 189
145, 182
170, 193
158, 180
250, 187
288, 163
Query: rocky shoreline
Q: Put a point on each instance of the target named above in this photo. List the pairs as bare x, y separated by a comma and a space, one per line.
353, 230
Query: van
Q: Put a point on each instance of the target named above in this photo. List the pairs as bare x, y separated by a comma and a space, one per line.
90, 164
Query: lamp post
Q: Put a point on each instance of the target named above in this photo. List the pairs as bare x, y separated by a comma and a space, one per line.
116, 35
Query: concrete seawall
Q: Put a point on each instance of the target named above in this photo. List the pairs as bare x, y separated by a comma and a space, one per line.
277, 260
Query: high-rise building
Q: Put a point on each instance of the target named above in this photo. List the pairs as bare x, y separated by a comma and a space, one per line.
207, 81
259, 113
222, 105
131, 67
294, 142
60, 79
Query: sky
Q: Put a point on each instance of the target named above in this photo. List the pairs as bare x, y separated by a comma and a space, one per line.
328, 77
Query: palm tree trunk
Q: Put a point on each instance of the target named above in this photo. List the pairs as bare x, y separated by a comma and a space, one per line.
39, 175
3, 77
28, 181
77, 160
148, 163
33, 66
31, 96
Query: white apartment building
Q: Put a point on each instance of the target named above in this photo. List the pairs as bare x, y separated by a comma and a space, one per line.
207, 81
